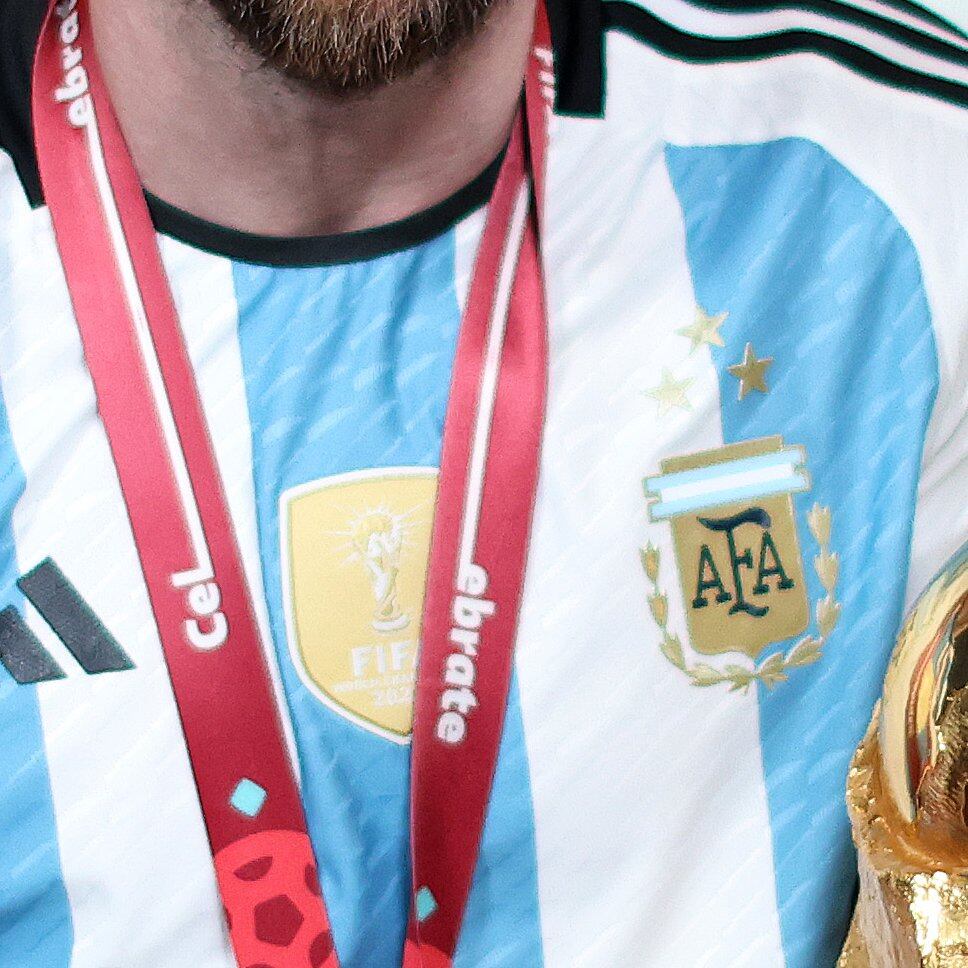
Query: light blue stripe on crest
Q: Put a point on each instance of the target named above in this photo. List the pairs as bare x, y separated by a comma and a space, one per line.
789, 455
348, 368
816, 272
700, 502
785, 462
35, 917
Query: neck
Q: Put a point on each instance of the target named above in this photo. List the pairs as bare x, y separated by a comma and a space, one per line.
214, 132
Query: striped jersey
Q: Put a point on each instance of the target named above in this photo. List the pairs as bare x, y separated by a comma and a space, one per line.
755, 453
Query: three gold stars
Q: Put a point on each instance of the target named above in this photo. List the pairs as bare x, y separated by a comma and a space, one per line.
670, 393
704, 329
751, 373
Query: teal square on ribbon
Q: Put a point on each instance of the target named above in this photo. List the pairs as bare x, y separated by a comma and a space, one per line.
248, 797
426, 903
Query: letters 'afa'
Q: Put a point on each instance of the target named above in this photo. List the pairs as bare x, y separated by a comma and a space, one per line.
906, 793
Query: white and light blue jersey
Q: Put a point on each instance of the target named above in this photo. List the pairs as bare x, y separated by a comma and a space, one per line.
756, 452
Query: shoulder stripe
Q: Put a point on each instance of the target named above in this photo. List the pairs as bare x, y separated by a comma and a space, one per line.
919, 12
684, 30
868, 14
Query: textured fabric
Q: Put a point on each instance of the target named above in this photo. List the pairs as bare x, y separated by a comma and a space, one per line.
757, 306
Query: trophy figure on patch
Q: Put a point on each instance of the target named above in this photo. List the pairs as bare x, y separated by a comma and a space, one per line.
907, 793
378, 540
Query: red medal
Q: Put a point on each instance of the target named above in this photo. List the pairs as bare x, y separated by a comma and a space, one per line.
149, 404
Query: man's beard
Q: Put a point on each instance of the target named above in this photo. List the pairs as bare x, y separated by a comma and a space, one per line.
343, 46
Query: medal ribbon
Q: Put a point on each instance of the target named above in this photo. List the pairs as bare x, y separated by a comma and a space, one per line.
149, 404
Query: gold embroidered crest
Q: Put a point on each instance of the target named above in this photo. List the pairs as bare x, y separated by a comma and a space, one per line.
740, 561
355, 549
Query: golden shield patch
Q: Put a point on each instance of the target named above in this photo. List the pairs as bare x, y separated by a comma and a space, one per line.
354, 555
740, 562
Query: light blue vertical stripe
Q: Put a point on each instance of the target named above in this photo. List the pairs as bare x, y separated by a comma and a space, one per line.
816, 272
501, 927
35, 917
347, 368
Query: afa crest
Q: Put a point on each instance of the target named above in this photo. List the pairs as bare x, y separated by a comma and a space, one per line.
740, 562
354, 555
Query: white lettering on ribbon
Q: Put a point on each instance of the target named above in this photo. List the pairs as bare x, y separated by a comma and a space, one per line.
207, 628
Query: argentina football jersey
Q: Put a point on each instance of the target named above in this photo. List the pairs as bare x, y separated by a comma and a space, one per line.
754, 456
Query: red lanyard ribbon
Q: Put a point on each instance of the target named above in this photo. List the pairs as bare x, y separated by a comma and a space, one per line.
163, 454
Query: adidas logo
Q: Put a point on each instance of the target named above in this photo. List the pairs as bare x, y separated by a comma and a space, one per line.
61, 606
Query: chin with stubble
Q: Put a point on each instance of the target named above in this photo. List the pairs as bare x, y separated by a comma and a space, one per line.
352, 46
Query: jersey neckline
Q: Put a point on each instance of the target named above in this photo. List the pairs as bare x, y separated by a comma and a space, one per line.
325, 250
577, 41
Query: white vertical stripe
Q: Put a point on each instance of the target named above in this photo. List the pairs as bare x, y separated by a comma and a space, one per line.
651, 820
467, 239
132, 844
941, 520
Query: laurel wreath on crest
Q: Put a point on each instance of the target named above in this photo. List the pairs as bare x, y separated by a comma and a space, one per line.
775, 667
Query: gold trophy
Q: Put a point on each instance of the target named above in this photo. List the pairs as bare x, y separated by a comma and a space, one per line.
378, 541
907, 793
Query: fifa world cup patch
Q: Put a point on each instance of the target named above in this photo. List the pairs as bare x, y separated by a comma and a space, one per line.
355, 549
741, 564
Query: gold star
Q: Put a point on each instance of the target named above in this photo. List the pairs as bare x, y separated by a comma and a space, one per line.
704, 329
670, 393
751, 373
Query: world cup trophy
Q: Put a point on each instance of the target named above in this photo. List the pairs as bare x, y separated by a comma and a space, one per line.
378, 539
907, 793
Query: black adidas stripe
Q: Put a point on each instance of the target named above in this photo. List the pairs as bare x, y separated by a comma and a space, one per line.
21, 652
639, 23
60, 604
65, 611
845, 13
922, 13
